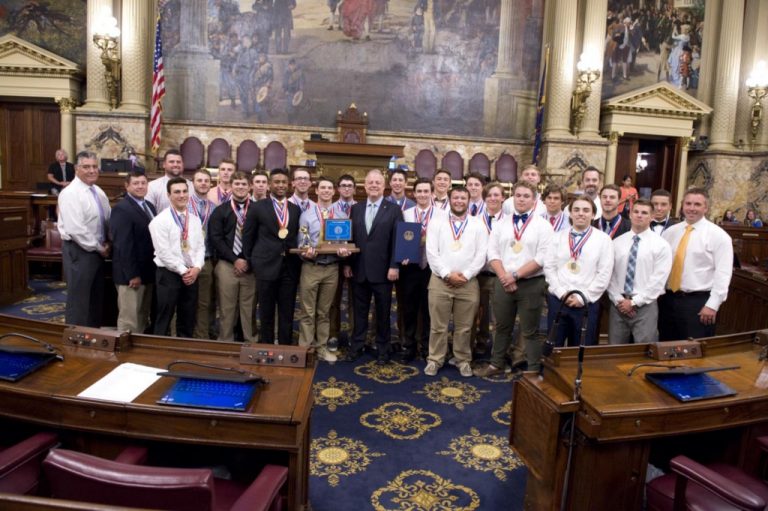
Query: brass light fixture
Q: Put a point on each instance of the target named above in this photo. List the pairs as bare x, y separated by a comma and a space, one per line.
757, 89
105, 37
588, 69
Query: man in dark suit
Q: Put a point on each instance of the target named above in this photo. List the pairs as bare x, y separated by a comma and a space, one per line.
61, 172
133, 269
271, 230
662, 206
610, 221
374, 269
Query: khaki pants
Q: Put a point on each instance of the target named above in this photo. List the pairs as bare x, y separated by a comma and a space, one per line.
528, 301
133, 306
317, 289
482, 328
462, 303
235, 295
205, 291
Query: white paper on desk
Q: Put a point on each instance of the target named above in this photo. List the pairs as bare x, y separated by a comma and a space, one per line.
123, 384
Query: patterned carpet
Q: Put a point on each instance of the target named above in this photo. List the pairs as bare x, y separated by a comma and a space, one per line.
389, 437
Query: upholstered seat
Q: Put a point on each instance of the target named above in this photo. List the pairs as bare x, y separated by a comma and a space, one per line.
20, 464
77, 476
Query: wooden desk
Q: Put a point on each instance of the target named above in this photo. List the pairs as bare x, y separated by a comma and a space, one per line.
337, 158
747, 302
13, 254
750, 243
276, 424
623, 422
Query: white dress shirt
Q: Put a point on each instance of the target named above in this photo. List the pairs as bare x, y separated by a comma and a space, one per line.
561, 223
508, 206
166, 238
157, 192
303, 204
708, 262
595, 265
534, 239
409, 215
654, 260
468, 260
79, 215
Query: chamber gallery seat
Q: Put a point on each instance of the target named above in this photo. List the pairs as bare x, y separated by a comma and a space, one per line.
20, 464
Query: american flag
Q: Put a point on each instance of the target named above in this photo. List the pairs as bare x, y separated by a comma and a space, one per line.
158, 91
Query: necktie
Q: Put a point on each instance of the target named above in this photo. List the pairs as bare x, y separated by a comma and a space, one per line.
629, 281
654, 223
552, 221
148, 211
101, 235
473, 210
676, 275
237, 247
520, 218
369, 216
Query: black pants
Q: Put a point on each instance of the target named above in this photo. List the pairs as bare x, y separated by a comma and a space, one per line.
679, 316
382, 296
414, 282
84, 272
569, 328
280, 294
174, 296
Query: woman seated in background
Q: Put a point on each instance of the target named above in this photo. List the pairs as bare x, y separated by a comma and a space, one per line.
729, 217
751, 219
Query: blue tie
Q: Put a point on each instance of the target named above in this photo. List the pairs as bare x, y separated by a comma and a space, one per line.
517, 218
629, 282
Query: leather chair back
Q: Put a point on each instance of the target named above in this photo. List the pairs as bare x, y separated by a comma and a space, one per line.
506, 169
481, 164
20, 464
248, 156
454, 163
425, 164
218, 149
275, 156
192, 152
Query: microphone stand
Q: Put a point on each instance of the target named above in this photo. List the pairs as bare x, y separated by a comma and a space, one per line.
549, 346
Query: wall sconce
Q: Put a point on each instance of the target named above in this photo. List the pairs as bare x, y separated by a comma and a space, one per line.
588, 70
757, 88
105, 37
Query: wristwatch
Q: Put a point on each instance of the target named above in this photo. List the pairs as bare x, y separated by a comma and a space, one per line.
515, 275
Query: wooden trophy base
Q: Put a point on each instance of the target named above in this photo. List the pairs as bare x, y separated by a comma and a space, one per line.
327, 247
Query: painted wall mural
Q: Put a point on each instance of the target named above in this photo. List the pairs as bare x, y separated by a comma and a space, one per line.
414, 65
55, 25
648, 42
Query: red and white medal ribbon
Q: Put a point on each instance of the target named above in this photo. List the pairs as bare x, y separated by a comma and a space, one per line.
281, 211
519, 232
423, 217
183, 225
240, 214
457, 231
576, 249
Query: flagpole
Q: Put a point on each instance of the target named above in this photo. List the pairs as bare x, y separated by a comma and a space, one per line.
540, 107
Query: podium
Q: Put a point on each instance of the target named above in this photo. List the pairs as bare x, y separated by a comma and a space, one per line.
337, 158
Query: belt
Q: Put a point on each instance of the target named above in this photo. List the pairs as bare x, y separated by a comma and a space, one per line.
690, 293
487, 274
322, 263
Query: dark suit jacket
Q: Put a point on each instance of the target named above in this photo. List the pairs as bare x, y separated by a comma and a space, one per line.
262, 246
132, 250
55, 169
624, 226
377, 249
221, 232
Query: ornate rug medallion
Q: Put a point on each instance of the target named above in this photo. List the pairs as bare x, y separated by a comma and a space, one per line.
60, 318
502, 414
333, 393
56, 285
485, 453
35, 299
44, 308
422, 490
335, 456
389, 373
451, 392
401, 421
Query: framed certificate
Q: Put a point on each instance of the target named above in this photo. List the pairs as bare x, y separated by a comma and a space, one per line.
337, 230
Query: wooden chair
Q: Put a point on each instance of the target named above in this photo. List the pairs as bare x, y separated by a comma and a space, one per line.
50, 251
275, 155
425, 164
218, 149
77, 476
20, 464
248, 156
192, 152
454, 163
481, 164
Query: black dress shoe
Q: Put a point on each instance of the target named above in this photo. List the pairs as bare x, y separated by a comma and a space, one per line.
352, 355
382, 360
406, 356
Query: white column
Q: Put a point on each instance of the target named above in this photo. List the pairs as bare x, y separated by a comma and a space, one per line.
709, 48
504, 59
610, 157
96, 86
682, 176
133, 43
753, 50
594, 44
66, 105
727, 77
561, 69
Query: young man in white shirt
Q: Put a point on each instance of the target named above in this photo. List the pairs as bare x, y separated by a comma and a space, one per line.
177, 237
414, 276
530, 174
84, 226
641, 264
456, 254
580, 258
202, 208
516, 251
702, 267
223, 189
173, 166
442, 183
301, 182
554, 198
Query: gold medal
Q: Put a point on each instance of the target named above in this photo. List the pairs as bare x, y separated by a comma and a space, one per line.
573, 267
456, 246
517, 247
184, 245
282, 233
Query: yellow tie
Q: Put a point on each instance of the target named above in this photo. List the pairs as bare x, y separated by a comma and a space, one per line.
676, 275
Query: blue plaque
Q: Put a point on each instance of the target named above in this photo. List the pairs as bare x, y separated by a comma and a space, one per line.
338, 230
408, 242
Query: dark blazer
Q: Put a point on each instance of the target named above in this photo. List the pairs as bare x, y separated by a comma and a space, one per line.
132, 250
55, 169
624, 226
377, 249
221, 232
262, 246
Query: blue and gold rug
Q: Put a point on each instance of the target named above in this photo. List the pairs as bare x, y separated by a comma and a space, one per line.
389, 437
